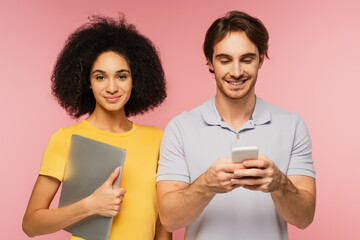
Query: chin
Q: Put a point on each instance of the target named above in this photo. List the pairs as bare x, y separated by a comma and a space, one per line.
112, 109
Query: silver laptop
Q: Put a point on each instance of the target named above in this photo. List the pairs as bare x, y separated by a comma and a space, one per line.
89, 165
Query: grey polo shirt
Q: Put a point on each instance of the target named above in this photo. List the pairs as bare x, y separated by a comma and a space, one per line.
195, 139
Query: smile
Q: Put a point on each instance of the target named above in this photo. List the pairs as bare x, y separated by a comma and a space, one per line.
112, 98
236, 83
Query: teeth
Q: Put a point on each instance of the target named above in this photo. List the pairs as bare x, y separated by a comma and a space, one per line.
236, 83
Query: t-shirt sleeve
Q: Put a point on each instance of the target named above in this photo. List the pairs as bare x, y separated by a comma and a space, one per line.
172, 163
301, 162
55, 156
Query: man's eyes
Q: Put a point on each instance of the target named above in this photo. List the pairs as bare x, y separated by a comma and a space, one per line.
247, 60
224, 61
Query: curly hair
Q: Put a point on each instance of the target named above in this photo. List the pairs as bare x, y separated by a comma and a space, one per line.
71, 75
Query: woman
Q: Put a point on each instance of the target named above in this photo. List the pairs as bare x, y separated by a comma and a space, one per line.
108, 71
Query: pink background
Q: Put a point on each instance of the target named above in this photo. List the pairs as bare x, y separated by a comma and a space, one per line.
314, 70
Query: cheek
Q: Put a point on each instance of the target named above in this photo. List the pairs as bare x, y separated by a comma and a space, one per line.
253, 71
127, 87
130, 85
96, 86
222, 70
95, 90
129, 90
250, 70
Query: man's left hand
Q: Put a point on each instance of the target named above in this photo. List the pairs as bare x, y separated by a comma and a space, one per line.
260, 174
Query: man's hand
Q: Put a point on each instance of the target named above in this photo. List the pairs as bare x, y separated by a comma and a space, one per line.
177, 199
293, 196
218, 178
106, 201
259, 174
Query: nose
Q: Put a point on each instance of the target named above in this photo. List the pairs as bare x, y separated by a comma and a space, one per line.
111, 86
236, 71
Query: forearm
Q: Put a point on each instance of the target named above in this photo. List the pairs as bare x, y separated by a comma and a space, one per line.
180, 208
39, 219
45, 221
294, 204
161, 233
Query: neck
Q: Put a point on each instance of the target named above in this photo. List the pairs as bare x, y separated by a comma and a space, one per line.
115, 122
235, 112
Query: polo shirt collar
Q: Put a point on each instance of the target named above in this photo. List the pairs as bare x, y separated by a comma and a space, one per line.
261, 114
211, 116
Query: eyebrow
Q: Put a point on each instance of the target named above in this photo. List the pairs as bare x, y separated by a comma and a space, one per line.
242, 56
103, 72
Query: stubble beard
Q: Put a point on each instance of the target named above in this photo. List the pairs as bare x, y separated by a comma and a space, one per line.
226, 92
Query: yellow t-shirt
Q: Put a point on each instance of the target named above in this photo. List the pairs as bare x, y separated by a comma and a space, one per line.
138, 214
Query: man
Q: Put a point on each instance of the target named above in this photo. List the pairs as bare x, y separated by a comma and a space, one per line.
199, 186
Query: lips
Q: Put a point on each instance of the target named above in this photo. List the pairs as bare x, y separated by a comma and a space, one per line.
236, 82
112, 99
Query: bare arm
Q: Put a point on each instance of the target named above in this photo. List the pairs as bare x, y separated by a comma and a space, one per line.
293, 196
176, 207
161, 233
295, 200
39, 219
180, 203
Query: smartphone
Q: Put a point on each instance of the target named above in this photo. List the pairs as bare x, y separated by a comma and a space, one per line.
239, 154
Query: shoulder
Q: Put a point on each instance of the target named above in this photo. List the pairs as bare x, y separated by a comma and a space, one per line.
149, 130
192, 117
62, 137
278, 113
278, 117
65, 133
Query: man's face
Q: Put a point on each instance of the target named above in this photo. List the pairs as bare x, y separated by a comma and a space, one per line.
235, 63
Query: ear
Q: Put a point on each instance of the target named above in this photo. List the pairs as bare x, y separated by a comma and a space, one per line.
211, 67
261, 60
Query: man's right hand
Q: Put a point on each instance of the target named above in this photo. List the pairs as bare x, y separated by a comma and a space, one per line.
105, 201
217, 178
177, 199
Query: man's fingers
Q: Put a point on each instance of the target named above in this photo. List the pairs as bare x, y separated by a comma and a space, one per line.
251, 183
249, 172
256, 163
226, 165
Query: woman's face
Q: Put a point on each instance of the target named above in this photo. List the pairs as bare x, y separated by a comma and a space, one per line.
111, 82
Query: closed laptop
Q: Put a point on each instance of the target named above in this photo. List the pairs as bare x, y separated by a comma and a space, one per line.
89, 165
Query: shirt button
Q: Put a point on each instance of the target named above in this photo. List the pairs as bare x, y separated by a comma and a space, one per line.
237, 136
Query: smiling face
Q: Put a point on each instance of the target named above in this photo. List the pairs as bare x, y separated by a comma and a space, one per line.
111, 82
235, 63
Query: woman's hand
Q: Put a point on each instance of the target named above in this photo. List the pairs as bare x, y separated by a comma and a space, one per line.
39, 219
106, 201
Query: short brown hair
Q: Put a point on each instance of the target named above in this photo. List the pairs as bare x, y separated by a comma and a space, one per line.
232, 22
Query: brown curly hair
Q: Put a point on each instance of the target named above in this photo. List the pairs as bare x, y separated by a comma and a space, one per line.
71, 75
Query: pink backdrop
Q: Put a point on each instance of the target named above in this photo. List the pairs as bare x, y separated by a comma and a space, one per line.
314, 70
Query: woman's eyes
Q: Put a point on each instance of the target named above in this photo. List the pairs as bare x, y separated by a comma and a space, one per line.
122, 77
99, 77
